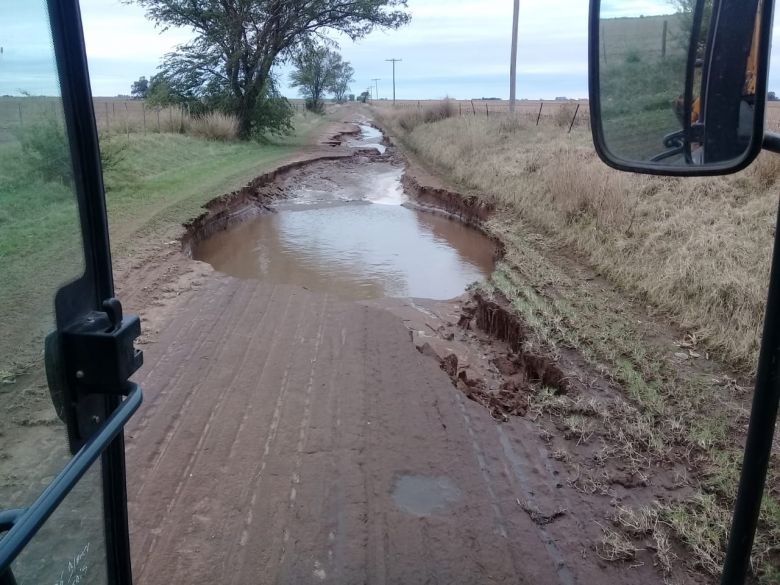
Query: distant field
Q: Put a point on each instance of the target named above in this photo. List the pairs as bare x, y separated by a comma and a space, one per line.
643, 36
120, 115
113, 114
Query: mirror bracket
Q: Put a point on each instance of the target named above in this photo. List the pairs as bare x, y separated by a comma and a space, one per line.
771, 142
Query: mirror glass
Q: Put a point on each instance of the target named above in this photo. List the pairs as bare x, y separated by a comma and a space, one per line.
677, 81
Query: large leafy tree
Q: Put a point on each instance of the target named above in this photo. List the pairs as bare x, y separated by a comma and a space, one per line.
237, 42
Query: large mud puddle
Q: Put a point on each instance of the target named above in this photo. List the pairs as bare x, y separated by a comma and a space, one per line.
341, 228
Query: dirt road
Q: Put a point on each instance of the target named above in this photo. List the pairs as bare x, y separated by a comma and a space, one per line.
291, 436
288, 437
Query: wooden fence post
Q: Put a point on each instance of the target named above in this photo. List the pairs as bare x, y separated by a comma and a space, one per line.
574, 117
108, 122
143, 113
473, 109
21, 120
127, 122
460, 110
539, 116
487, 111
663, 38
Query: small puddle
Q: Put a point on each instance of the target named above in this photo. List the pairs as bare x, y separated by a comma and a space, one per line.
342, 229
422, 496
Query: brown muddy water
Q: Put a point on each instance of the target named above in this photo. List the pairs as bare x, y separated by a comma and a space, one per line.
342, 229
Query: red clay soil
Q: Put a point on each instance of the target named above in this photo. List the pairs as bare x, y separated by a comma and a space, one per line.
290, 437
277, 428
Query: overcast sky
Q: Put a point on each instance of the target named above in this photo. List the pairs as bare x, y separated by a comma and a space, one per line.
457, 48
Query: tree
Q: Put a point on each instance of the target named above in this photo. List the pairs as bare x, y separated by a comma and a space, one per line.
343, 76
317, 69
139, 88
238, 42
685, 10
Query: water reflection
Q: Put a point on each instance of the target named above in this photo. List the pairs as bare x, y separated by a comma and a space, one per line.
342, 230
356, 251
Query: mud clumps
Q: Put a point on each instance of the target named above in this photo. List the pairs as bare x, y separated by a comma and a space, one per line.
510, 400
519, 372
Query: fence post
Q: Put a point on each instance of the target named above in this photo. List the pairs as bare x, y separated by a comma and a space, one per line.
663, 38
143, 113
574, 117
487, 111
473, 109
158, 119
460, 109
539, 116
170, 118
108, 122
21, 120
127, 122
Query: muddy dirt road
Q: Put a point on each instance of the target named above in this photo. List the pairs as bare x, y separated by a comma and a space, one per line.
292, 434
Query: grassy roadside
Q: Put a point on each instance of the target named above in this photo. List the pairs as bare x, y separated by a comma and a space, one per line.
697, 250
156, 182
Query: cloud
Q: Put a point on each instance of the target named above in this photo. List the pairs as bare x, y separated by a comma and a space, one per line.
452, 47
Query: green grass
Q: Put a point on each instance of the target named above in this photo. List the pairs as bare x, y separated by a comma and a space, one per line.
159, 182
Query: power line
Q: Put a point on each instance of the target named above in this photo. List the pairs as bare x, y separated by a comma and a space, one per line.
376, 81
394, 61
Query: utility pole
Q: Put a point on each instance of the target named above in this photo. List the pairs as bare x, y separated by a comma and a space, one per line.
394, 61
513, 62
376, 81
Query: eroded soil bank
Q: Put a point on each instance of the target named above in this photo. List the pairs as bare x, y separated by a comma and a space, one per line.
343, 227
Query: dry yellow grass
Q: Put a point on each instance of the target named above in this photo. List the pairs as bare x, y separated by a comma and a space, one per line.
215, 126
696, 248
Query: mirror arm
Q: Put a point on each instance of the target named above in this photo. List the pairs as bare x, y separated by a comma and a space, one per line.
771, 142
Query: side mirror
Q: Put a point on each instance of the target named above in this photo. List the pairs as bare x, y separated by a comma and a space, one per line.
683, 93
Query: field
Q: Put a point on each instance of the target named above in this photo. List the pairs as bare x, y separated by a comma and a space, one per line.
693, 251
113, 115
154, 182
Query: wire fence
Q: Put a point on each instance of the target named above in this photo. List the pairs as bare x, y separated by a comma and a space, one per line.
540, 111
112, 115
117, 115
565, 113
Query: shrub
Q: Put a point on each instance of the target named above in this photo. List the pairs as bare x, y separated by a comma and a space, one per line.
410, 119
46, 150
563, 115
439, 111
215, 126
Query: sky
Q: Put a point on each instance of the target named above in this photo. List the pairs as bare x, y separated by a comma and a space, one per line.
455, 48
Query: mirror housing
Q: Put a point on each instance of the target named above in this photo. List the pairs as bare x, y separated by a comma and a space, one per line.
695, 109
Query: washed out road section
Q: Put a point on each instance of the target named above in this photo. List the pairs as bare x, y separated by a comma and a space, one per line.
341, 228
292, 434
